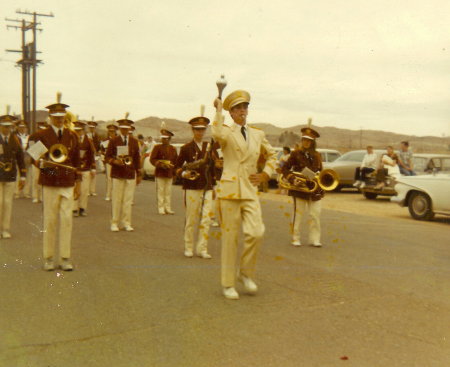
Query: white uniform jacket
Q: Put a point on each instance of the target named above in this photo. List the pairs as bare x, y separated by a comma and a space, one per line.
240, 158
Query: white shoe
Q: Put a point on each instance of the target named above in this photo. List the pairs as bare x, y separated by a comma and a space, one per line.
357, 183
66, 265
129, 228
230, 293
204, 255
317, 244
114, 228
94, 194
161, 212
188, 253
249, 285
296, 243
169, 211
108, 199
214, 223
362, 185
49, 265
35, 201
6, 234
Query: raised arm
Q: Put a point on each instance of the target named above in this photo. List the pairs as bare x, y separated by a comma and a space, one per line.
219, 132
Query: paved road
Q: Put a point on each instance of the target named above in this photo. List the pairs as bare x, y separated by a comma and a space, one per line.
377, 294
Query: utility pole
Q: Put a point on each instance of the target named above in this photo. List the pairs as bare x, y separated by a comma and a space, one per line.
29, 62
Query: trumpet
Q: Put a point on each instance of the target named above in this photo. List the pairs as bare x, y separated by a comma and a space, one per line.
57, 153
127, 160
327, 180
6, 166
191, 175
165, 163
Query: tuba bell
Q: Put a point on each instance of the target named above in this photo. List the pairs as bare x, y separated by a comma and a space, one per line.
58, 153
328, 180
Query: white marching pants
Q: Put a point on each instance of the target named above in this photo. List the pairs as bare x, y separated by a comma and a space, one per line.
6, 201
93, 184
122, 199
27, 187
313, 208
82, 201
233, 213
58, 202
164, 192
197, 218
36, 189
108, 180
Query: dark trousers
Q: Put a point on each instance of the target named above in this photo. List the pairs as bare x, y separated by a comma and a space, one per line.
407, 172
361, 173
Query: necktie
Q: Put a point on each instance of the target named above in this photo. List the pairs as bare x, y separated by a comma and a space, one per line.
243, 132
59, 134
6, 140
125, 138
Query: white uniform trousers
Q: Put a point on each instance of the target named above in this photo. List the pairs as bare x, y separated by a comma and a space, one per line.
313, 208
233, 213
122, 199
82, 201
108, 181
93, 184
36, 189
6, 200
197, 218
58, 202
164, 192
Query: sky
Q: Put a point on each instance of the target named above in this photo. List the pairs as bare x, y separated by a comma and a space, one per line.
379, 65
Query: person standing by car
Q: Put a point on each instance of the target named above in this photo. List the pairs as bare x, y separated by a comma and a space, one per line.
368, 165
405, 160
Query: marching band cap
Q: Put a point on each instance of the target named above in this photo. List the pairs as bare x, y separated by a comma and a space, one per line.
58, 108
199, 122
79, 125
310, 133
7, 120
42, 125
21, 123
92, 124
111, 127
166, 133
125, 123
235, 98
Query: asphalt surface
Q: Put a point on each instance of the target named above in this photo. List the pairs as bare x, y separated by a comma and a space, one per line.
376, 294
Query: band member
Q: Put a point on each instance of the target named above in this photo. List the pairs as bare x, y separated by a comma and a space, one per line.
218, 168
61, 183
123, 156
112, 133
198, 184
87, 168
36, 189
92, 134
164, 157
237, 190
11, 157
22, 134
305, 202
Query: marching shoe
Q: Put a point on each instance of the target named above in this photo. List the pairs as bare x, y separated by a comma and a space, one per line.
296, 243
82, 212
357, 184
6, 234
188, 253
108, 199
204, 255
114, 228
230, 293
35, 201
362, 185
76, 213
161, 212
249, 285
214, 223
317, 244
94, 194
170, 211
129, 228
49, 265
66, 264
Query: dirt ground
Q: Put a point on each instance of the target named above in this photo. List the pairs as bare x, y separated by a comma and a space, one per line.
351, 201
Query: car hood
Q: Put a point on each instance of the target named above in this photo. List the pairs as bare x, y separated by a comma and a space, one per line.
339, 164
421, 180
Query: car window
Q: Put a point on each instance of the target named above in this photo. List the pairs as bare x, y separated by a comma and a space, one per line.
352, 156
436, 162
332, 156
323, 156
446, 164
420, 164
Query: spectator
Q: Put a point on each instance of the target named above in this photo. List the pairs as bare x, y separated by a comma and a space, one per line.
405, 160
388, 167
368, 165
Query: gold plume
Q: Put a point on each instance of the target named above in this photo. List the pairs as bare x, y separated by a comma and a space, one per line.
58, 97
126, 115
202, 110
8, 108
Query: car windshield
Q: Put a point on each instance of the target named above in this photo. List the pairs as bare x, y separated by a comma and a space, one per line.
351, 156
332, 157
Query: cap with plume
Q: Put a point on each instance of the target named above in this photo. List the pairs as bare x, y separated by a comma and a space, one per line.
58, 97
202, 110
8, 109
309, 122
126, 115
163, 124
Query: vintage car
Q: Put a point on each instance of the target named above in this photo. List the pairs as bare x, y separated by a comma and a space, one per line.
424, 195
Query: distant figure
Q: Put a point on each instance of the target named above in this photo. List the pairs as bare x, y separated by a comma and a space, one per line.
405, 160
388, 166
368, 165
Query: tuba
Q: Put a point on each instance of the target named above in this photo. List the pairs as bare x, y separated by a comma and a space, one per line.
327, 180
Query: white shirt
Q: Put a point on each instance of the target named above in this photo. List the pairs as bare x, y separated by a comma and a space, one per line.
247, 131
56, 129
370, 161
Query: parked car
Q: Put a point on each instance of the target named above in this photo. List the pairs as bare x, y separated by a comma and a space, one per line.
424, 195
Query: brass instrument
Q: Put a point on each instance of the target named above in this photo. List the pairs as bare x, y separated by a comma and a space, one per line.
127, 160
6, 166
192, 168
57, 153
327, 180
165, 163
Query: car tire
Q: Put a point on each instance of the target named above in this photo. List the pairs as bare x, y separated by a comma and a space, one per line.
419, 205
370, 195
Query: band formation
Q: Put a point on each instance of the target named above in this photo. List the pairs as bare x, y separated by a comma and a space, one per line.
220, 179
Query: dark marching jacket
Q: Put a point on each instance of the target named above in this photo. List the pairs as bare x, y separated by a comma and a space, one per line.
163, 152
123, 171
11, 153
